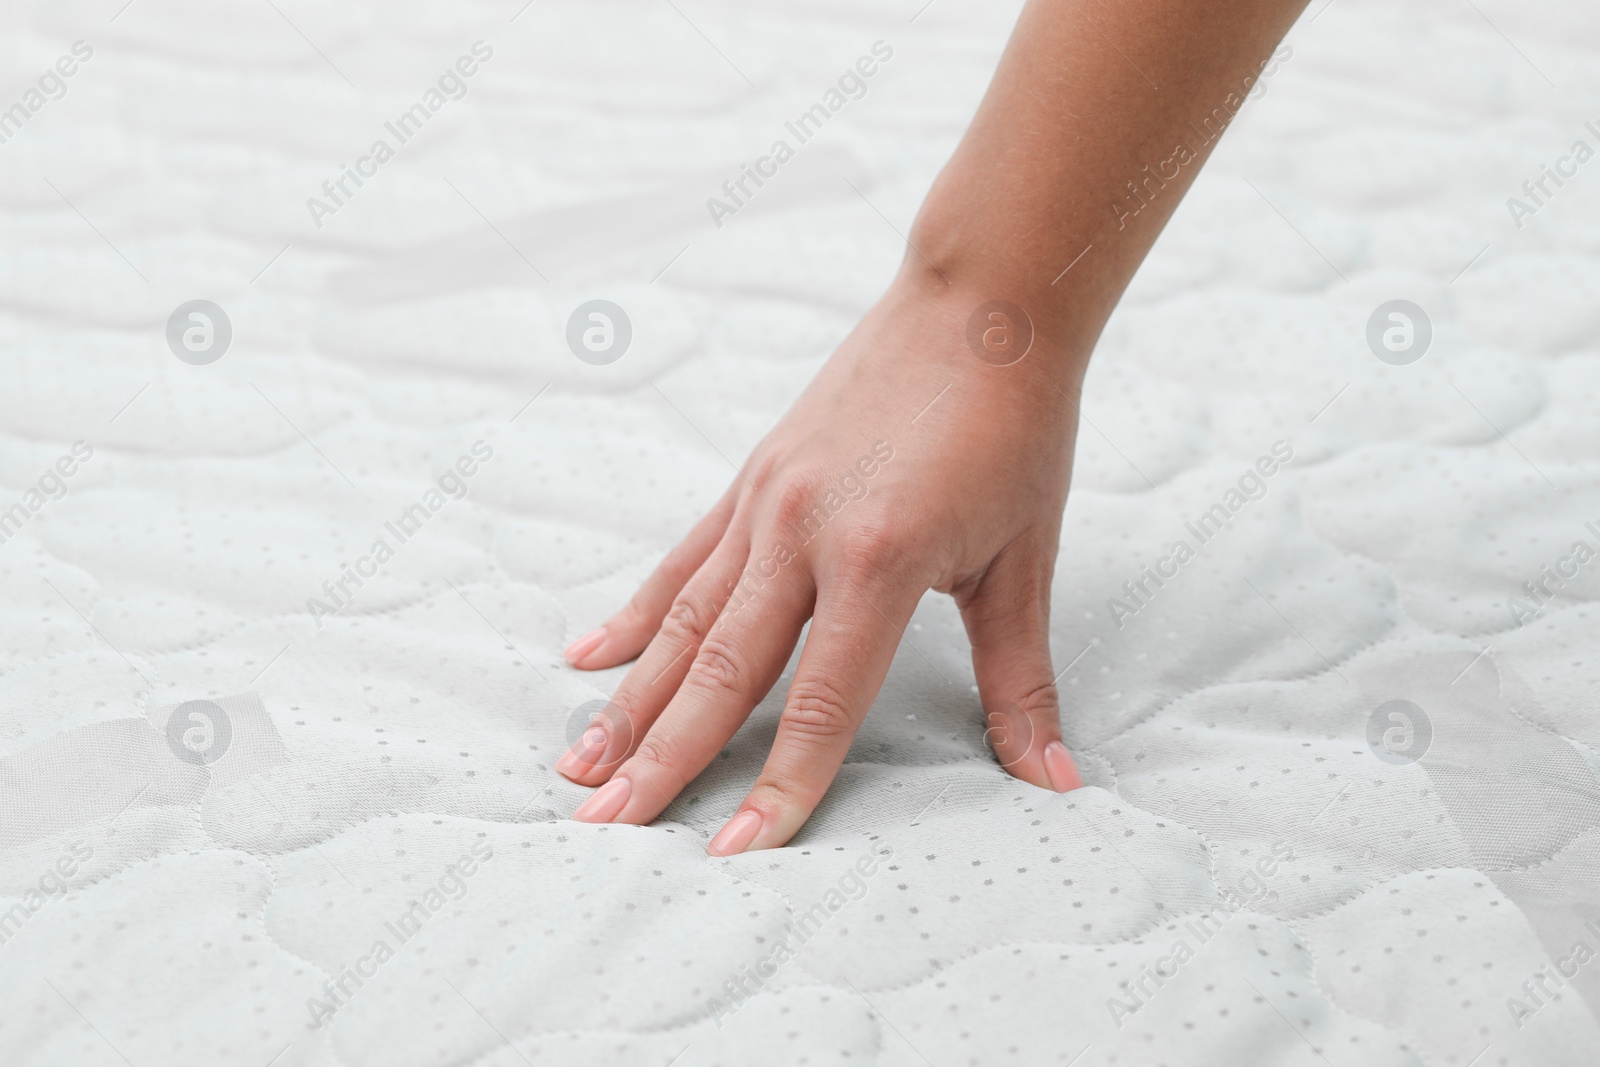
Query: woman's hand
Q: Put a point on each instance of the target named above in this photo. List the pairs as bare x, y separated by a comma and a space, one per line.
921, 457
910, 463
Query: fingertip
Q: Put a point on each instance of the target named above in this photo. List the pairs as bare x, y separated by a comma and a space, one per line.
738, 835
599, 750
570, 767
578, 763
1061, 769
775, 813
605, 803
582, 651
1020, 740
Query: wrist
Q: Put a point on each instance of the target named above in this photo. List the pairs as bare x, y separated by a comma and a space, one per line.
1001, 325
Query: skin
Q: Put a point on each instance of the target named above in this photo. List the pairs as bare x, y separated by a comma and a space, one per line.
970, 503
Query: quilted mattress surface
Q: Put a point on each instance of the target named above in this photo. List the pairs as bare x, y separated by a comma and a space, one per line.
255, 808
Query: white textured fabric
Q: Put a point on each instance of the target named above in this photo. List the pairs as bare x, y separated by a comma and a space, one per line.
163, 907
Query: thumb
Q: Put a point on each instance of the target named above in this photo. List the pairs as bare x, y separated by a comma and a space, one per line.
1007, 616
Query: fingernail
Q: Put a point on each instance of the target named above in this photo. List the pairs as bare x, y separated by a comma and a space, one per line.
585, 752
1062, 771
735, 837
584, 645
606, 802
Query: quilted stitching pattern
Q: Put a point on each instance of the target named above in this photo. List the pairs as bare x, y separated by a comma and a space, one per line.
1331, 907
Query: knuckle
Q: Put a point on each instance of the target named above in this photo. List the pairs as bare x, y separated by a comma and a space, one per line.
623, 712
685, 622
1014, 730
817, 711
661, 757
776, 793
717, 668
1042, 702
870, 548
798, 504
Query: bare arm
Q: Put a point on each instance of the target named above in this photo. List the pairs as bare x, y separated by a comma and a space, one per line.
1099, 117
934, 449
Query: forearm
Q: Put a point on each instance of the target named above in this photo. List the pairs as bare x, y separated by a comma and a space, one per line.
1098, 119
980, 432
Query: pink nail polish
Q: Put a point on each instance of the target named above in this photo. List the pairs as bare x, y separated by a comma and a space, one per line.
585, 752
584, 645
1058, 765
735, 837
606, 803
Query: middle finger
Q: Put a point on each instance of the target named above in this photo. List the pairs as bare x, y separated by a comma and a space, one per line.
738, 662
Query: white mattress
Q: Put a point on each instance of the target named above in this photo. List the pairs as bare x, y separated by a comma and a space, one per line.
1223, 728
